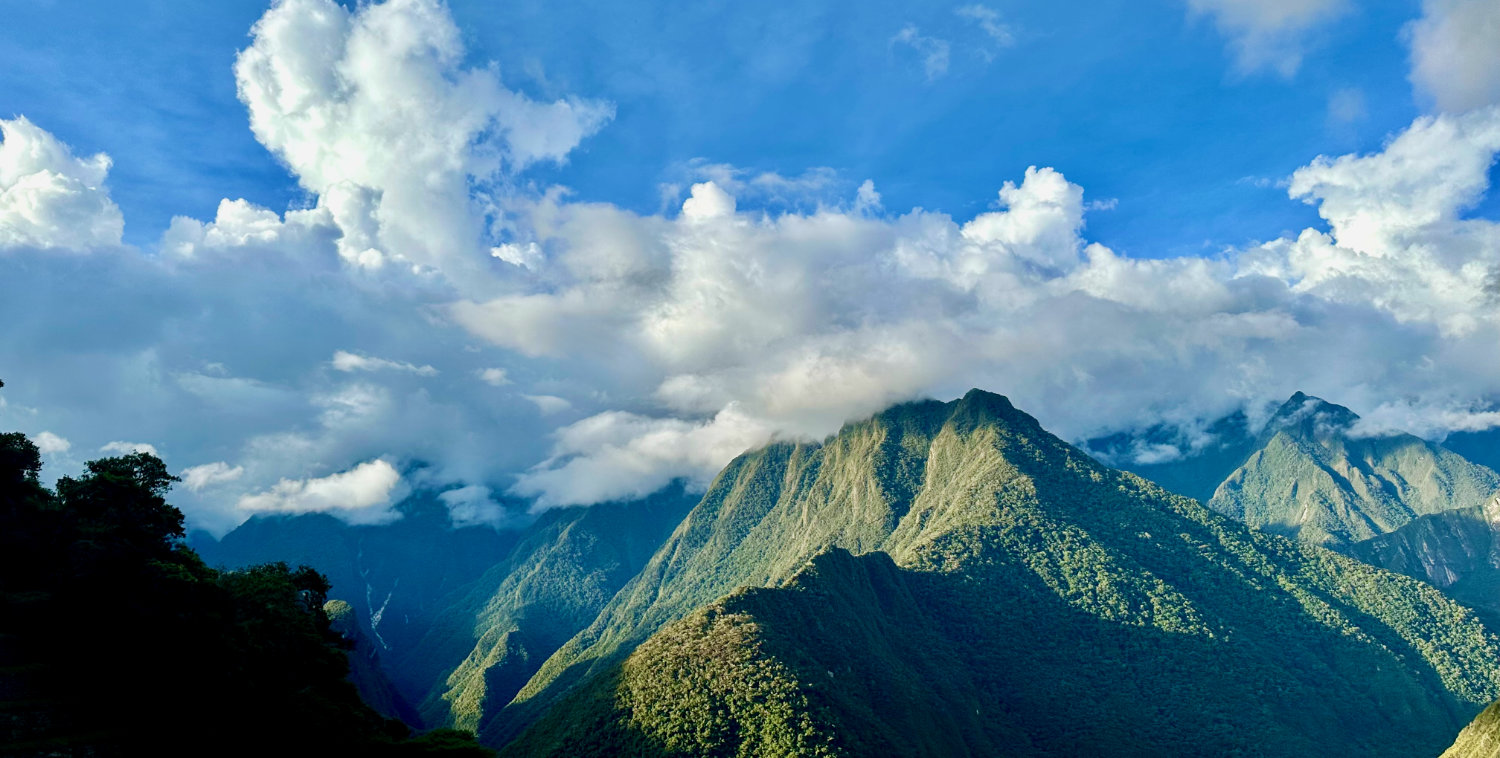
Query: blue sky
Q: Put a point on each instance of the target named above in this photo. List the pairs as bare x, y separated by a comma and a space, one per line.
561, 254
1138, 102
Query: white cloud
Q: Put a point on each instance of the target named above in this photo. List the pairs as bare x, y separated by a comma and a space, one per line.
549, 404
361, 495
473, 505
988, 21
616, 456
800, 321
48, 197
1455, 56
495, 377
126, 448
375, 112
51, 444
933, 51
346, 361
1268, 34
199, 478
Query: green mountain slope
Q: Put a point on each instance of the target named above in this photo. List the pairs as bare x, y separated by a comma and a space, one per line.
1480, 739
1066, 606
1311, 479
1457, 551
567, 565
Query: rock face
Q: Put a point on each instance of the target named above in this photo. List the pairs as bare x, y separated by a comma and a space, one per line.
1480, 739
1312, 477
1457, 551
950, 579
1442, 549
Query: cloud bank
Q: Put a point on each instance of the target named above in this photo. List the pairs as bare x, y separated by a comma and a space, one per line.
431, 321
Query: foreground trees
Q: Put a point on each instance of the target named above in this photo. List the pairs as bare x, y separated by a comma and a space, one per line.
116, 639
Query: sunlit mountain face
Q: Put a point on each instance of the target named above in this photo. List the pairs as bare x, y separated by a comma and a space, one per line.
481, 312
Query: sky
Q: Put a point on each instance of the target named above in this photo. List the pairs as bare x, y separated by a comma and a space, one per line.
320, 256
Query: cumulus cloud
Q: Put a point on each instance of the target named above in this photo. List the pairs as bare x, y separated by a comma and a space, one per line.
126, 448
362, 495
618, 455
199, 478
346, 361
51, 444
48, 197
663, 344
1455, 59
1268, 34
375, 112
495, 377
744, 326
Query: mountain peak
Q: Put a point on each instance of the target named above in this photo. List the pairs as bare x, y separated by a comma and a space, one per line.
1311, 416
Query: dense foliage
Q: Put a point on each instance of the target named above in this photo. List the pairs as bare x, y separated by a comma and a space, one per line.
996, 592
116, 639
398, 577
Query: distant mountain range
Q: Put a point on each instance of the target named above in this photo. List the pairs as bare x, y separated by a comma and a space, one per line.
950, 579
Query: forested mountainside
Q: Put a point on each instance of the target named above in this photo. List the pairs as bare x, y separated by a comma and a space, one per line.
966, 561
396, 576
463, 617
1313, 478
117, 640
494, 635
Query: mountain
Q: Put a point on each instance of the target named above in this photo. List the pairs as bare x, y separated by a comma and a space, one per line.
365, 671
1457, 551
493, 635
951, 579
1313, 477
1480, 739
396, 576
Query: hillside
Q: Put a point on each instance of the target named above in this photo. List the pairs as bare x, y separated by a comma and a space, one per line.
397, 576
493, 635
1312, 478
1480, 739
1070, 607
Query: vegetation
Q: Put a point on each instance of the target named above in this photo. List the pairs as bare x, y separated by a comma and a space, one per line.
976, 587
1311, 479
566, 566
116, 639
1481, 738
398, 579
